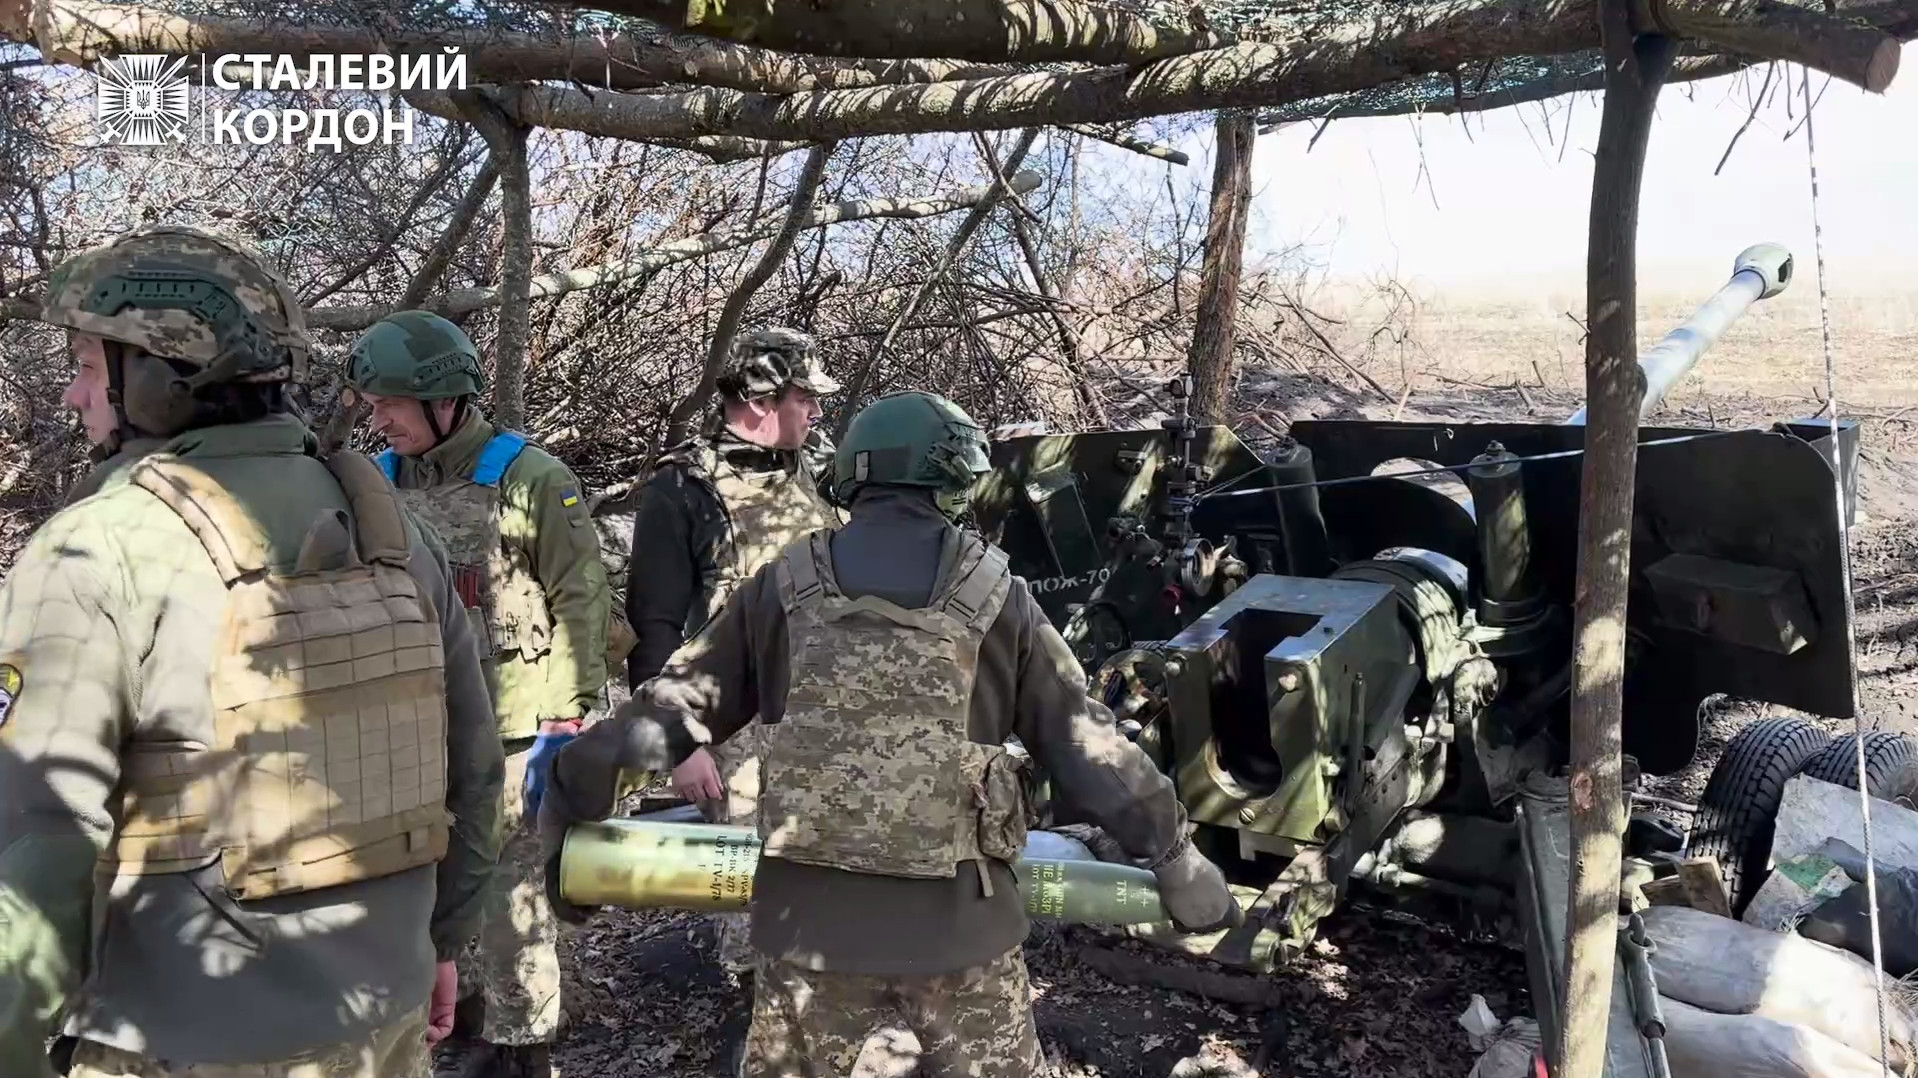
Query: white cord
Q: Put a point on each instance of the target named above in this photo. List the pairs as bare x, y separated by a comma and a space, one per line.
1844, 549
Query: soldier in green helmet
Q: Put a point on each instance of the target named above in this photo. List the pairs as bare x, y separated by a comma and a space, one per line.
526, 559
716, 509
248, 775
890, 661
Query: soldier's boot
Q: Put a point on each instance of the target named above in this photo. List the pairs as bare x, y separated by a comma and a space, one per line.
487, 1060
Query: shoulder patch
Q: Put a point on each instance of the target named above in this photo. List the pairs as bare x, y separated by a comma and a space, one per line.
10, 682
568, 497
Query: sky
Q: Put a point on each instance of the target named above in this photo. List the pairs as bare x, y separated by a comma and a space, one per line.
1511, 209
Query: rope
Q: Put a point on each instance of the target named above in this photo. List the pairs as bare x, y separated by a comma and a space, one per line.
1844, 548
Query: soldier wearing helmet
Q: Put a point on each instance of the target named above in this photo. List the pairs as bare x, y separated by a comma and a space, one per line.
714, 511
889, 662
526, 560
248, 777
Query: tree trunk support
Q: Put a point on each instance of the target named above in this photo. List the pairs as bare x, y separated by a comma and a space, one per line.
506, 139
1213, 333
1636, 65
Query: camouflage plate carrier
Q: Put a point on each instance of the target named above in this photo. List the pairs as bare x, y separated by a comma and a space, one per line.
503, 598
765, 513
871, 769
328, 762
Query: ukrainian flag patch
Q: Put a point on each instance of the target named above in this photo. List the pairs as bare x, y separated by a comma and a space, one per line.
569, 497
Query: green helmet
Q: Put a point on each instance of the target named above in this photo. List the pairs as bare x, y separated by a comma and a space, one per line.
415, 354
200, 298
912, 439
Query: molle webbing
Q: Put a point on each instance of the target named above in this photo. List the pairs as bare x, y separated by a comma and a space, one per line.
872, 768
328, 759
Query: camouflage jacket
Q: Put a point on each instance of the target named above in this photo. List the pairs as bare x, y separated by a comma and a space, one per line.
551, 662
1027, 684
714, 511
108, 628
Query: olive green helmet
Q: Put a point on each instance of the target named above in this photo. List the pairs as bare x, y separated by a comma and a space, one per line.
200, 298
415, 354
912, 439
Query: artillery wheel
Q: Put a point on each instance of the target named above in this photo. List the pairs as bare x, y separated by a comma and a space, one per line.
1739, 809
1885, 753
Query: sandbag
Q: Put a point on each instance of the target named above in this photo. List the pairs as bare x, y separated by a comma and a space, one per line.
1845, 921
1702, 1044
1732, 968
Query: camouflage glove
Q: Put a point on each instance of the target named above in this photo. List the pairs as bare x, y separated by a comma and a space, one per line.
1193, 891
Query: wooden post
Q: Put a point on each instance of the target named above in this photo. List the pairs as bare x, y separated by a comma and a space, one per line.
1210, 358
506, 142
1635, 67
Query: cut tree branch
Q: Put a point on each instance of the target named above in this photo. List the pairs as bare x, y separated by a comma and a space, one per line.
1614, 385
797, 212
1129, 142
1028, 31
467, 300
1210, 358
1001, 184
1415, 39
81, 31
506, 143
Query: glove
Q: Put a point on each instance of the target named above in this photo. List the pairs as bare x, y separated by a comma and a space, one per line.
553, 821
1194, 893
553, 737
439, 1020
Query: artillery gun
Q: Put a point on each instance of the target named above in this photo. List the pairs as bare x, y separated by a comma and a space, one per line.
1352, 652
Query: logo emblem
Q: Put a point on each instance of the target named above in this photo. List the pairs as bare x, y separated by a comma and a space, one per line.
143, 99
9, 688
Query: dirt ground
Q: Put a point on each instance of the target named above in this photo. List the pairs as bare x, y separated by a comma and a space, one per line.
1381, 992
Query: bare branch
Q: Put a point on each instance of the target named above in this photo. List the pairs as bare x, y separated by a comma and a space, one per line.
473, 299
506, 142
957, 245
800, 207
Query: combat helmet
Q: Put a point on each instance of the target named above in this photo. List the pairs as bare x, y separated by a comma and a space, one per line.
202, 308
764, 362
415, 354
912, 439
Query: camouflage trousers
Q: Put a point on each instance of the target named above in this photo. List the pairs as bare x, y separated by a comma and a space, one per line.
737, 759
514, 960
975, 1023
392, 1051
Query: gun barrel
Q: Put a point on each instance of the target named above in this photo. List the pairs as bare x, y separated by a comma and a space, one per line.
1760, 272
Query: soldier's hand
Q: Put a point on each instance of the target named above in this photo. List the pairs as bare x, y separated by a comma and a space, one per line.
553, 736
439, 1020
697, 778
1194, 892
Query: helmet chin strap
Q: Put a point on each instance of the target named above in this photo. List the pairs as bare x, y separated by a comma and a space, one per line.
433, 421
123, 431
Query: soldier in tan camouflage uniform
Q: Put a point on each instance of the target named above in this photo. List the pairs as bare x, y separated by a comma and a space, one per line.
890, 661
248, 777
526, 559
717, 509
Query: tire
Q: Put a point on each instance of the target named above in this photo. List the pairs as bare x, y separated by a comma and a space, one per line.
1885, 754
1739, 809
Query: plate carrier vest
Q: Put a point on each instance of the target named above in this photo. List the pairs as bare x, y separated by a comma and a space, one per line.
328, 762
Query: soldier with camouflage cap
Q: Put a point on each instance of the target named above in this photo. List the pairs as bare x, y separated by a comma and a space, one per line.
715, 510
526, 559
890, 661
248, 778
